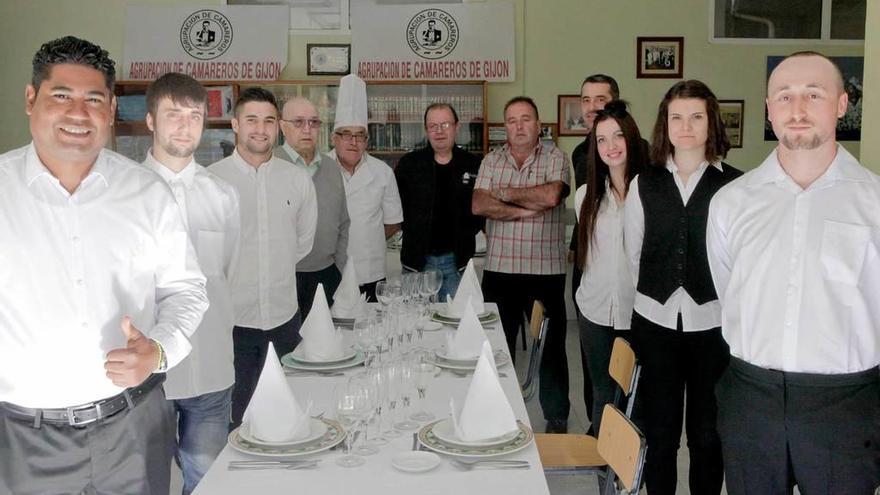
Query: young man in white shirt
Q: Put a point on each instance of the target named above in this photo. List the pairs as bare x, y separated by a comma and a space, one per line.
278, 217
793, 249
200, 387
100, 292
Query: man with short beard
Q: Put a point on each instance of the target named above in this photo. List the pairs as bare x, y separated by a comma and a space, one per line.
794, 251
200, 387
278, 217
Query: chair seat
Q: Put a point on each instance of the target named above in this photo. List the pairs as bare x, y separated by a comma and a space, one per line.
568, 452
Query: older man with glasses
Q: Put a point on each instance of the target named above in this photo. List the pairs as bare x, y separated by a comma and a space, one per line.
373, 201
324, 264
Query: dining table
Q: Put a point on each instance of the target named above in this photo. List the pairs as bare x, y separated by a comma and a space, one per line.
377, 476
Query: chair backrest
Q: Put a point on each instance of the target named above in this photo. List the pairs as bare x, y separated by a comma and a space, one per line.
622, 367
623, 447
536, 320
538, 330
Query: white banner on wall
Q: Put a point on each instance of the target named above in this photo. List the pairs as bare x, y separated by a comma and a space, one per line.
422, 42
216, 42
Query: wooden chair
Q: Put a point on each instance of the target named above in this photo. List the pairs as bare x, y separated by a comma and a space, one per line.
572, 452
538, 330
620, 450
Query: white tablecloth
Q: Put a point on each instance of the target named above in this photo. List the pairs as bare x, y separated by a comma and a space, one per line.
377, 476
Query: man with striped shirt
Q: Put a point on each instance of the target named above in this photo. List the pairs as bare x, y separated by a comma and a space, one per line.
520, 190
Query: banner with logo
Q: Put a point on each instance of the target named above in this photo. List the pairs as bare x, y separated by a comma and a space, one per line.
413, 42
215, 42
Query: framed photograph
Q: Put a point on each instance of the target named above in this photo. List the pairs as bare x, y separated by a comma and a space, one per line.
328, 59
849, 127
549, 132
732, 117
660, 57
569, 119
220, 99
497, 134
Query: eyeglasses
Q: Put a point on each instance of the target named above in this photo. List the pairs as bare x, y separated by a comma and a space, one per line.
442, 126
347, 137
299, 123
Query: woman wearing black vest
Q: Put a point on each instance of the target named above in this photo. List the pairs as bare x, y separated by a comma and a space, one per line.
676, 325
605, 292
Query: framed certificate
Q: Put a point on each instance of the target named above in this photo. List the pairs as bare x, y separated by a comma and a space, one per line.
324, 59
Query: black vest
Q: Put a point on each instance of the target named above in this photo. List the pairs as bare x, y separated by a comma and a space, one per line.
674, 246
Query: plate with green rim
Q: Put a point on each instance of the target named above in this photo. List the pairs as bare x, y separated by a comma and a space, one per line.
332, 437
429, 439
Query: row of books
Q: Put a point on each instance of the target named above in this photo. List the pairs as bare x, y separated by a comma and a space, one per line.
412, 108
396, 136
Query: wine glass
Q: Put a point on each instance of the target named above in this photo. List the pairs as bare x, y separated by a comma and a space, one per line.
392, 394
387, 292
409, 284
423, 372
433, 280
352, 406
379, 383
404, 380
366, 386
365, 329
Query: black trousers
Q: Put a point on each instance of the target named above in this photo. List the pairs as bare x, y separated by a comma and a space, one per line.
127, 453
515, 294
596, 344
585, 366
250, 347
820, 432
674, 362
307, 284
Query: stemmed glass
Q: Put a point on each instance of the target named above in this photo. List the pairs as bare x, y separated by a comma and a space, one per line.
352, 405
423, 372
409, 286
392, 394
365, 329
366, 386
405, 389
387, 292
379, 382
433, 280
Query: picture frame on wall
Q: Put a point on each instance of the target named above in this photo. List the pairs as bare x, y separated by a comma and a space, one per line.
549, 132
569, 117
220, 103
497, 134
659, 57
732, 117
328, 59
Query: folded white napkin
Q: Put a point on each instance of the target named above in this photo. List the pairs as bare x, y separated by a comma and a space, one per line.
468, 339
320, 339
468, 288
486, 413
348, 300
273, 413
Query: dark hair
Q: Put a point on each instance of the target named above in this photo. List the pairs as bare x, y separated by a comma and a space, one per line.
603, 79
598, 173
180, 88
255, 94
521, 99
717, 143
811, 53
434, 106
72, 50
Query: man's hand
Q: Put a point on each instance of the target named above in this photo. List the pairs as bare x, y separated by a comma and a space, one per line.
132, 365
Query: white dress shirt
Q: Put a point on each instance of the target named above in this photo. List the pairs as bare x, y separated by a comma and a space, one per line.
694, 317
373, 203
278, 216
73, 265
798, 271
210, 210
300, 162
606, 293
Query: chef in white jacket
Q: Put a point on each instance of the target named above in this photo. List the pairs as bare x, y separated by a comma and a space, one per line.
373, 201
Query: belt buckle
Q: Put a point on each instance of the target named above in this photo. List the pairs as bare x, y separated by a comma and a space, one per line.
71, 414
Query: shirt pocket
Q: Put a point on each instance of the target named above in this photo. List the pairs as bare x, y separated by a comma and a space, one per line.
210, 251
843, 251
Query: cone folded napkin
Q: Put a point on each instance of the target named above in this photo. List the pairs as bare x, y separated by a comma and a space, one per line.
468, 288
274, 415
348, 300
468, 339
486, 413
321, 341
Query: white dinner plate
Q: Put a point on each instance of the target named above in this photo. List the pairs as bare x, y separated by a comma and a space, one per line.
501, 359
431, 326
334, 434
317, 429
445, 432
290, 362
299, 355
415, 461
523, 438
443, 314
441, 354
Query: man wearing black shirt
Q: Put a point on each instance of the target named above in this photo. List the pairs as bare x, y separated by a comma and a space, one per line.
436, 184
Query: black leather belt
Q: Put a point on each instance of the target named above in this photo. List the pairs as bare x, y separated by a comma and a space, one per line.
84, 414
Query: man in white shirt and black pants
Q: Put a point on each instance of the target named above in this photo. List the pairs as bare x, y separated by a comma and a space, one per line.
100, 292
278, 217
794, 248
200, 387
